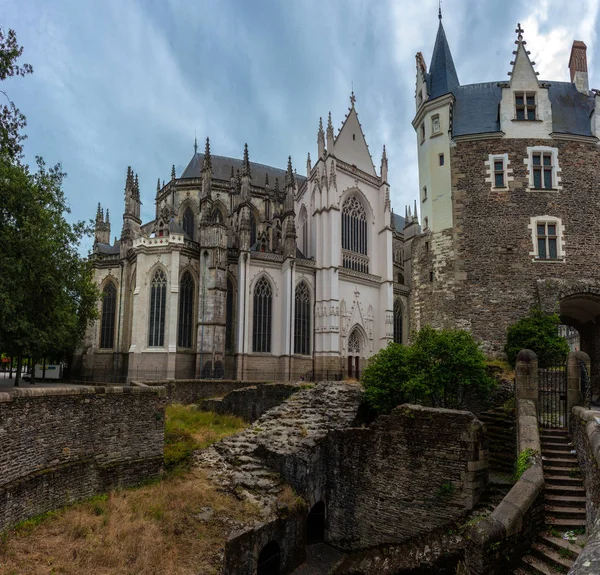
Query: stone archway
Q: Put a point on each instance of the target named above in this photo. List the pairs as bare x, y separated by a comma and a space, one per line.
578, 304
269, 560
315, 524
355, 345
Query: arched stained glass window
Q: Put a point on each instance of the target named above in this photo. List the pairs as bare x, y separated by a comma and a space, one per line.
354, 235
354, 343
229, 317
158, 300
186, 310
107, 327
302, 320
188, 222
263, 309
397, 321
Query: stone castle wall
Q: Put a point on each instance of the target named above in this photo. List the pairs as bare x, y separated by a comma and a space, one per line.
485, 276
63, 445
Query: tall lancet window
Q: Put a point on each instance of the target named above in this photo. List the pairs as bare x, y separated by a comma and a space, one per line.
263, 311
186, 310
302, 320
109, 305
252, 229
397, 321
188, 222
158, 300
354, 236
229, 317
305, 234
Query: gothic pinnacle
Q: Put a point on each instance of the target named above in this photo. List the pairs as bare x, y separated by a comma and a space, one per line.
290, 173
207, 163
107, 220
329, 124
98, 214
157, 187
173, 172
266, 179
246, 164
195, 145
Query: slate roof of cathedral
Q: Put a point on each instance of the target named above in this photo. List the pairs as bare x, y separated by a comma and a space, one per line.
476, 109
221, 168
399, 222
107, 249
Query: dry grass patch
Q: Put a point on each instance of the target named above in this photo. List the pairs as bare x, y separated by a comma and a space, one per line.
177, 526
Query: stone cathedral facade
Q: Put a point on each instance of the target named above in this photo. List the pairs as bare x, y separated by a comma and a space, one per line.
249, 271
252, 271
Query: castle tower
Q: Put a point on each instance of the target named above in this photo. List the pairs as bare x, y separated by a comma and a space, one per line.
131, 215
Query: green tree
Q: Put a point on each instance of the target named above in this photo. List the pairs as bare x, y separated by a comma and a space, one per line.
47, 297
443, 368
537, 331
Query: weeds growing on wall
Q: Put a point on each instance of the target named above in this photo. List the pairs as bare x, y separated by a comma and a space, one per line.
524, 462
441, 369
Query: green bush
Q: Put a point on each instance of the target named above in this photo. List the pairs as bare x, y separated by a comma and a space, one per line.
538, 332
441, 369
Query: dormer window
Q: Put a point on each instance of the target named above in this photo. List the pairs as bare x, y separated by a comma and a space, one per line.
435, 125
525, 105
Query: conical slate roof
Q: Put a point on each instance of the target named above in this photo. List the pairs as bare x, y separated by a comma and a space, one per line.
442, 73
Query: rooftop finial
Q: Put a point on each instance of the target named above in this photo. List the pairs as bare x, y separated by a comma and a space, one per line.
519, 32
352, 98
195, 143
440, 10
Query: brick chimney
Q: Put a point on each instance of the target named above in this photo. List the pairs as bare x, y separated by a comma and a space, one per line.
578, 67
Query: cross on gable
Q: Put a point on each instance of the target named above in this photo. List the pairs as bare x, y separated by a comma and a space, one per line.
352, 98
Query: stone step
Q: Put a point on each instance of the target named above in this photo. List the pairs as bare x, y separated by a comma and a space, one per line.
554, 432
539, 567
556, 446
570, 461
564, 471
564, 512
561, 480
558, 544
556, 452
566, 524
551, 557
562, 500
564, 490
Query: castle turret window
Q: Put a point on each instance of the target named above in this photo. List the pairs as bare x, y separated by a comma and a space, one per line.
525, 105
109, 303
158, 298
542, 170
547, 236
262, 316
542, 163
499, 173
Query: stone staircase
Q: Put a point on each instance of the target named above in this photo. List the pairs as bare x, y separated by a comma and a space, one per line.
564, 509
501, 434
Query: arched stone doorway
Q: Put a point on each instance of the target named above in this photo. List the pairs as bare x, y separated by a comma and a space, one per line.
578, 304
582, 313
269, 560
354, 347
315, 524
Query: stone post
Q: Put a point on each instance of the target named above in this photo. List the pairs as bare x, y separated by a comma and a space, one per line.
527, 376
574, 360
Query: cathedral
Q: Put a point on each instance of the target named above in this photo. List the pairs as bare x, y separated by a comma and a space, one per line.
253, 272
250, 271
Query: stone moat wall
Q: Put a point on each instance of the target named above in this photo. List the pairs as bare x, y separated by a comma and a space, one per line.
63, 445
186, 391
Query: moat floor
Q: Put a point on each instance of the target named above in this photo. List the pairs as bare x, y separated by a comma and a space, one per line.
320, 559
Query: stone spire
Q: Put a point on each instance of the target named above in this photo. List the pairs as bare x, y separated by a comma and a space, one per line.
288, 205
207, 171
308, 166
158, 188
195, 145
384, 166
393, 220
99, 218
321, 139
330, 136
173, 173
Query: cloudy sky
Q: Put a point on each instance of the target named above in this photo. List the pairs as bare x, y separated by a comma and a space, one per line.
128, 82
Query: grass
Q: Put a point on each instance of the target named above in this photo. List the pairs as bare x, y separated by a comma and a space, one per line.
176, 526
187, 429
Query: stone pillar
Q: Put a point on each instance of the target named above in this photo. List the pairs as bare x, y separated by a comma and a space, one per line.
172, 316
574, 360
526, 373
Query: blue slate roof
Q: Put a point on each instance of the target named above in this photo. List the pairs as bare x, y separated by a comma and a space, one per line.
399, 222
476, 109
442, 77
571, 109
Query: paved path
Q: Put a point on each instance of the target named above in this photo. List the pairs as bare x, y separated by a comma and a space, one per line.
320, 559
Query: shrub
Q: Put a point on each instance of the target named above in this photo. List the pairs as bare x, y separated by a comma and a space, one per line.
441, 369
538, 332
